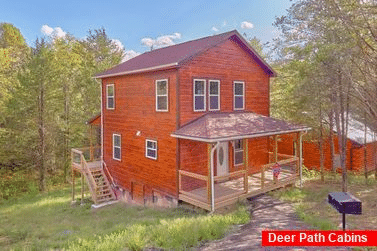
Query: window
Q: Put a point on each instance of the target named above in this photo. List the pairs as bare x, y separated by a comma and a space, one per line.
110, 96
117, 147
162, 95
238, 152
151, 149
214, 95
239, 95
199, 95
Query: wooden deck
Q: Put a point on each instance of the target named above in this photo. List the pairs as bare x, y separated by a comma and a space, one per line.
229, 190
94, 165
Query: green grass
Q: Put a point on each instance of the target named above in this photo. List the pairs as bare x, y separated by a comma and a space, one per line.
312, 207
48, 221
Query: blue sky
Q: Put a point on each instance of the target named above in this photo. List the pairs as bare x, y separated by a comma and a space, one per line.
131, 21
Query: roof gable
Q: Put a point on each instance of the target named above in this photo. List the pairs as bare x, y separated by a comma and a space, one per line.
173, 56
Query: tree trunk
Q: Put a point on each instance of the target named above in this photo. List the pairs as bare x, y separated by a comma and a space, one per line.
66, 155
322, 156
41, 130
331, 138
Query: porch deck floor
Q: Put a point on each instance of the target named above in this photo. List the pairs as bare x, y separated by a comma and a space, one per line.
91, 165
236, 187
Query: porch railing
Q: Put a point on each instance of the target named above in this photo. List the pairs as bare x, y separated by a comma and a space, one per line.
287, 167
196, 188
79, 162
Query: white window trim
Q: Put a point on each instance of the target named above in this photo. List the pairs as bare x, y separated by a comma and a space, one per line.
107, 97
204, 95
213, 95
234, 95
147, 148
120, 147
164, 95
236, 151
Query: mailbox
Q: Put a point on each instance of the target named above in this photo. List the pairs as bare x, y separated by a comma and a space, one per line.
345, 203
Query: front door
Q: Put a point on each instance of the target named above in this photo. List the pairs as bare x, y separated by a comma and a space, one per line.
222, 159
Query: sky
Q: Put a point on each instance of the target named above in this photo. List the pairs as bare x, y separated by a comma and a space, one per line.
139, 24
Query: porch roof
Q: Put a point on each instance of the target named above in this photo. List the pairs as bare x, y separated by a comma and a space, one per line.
214, 127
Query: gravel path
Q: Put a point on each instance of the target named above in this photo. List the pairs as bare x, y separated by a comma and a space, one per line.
266, 213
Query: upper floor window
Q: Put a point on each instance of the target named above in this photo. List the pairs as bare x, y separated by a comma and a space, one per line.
238, 152
117, 147
199, 95
110, 96
239, 96
151, 149
162, 95
214, 95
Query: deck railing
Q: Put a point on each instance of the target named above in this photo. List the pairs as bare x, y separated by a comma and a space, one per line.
287, 168
79, 162
196, 188
189, 181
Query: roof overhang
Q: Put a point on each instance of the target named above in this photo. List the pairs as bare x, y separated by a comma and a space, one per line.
217, 127
154, 68
247, 136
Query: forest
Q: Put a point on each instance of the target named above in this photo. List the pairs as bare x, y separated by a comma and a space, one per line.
324, 53
47, 93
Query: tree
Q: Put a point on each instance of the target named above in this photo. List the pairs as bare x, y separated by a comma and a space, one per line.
321, 34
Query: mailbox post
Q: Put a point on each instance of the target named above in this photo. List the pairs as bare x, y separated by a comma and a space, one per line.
345, 203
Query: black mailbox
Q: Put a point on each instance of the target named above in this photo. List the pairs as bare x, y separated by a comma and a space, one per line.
345, 203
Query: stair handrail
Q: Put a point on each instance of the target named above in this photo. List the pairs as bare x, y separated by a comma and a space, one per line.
108, 173
86, 169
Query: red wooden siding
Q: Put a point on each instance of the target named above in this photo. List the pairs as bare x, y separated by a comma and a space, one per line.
311, 153
258, 153
227, 62
135, 111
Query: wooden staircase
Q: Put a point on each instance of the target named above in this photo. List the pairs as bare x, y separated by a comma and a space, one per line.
99, 186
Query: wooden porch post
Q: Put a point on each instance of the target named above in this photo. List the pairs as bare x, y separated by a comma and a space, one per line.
246, 161
73, 185
300, 157
276, 148
91, 143
209, 190
82, 188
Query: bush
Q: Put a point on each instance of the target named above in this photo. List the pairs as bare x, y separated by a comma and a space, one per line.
13, 184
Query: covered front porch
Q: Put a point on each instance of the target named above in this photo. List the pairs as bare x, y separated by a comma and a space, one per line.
234, 169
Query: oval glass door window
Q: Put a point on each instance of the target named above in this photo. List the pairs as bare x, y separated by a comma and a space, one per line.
221, 156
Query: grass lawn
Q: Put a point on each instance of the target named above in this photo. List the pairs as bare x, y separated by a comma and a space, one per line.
48, 221
312, 206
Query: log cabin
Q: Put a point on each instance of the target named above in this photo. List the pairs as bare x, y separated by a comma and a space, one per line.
361, 149
190, 122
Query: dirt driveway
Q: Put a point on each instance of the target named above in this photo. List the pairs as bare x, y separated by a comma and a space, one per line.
267, 213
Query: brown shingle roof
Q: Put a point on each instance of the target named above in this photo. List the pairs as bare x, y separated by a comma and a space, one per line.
173, 56
213, 127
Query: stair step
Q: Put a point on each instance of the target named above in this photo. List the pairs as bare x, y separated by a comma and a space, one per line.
104, 194
100, 201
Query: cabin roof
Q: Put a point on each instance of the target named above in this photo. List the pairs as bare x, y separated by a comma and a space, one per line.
173, 56
356, 132
95, 120
224, 126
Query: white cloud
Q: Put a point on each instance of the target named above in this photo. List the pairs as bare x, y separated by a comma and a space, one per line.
215, 29
247, 25
59, 32
225, 23
56, 32
130, 54
161, 41
47, 30
118, 44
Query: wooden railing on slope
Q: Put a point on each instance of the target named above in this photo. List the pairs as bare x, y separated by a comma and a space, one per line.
82, 166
